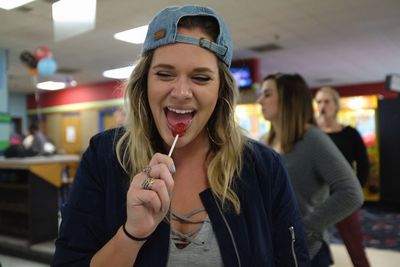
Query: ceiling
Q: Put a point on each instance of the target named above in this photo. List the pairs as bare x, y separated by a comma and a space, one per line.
329, 42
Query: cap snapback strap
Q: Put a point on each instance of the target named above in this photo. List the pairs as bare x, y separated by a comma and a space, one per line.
202, 42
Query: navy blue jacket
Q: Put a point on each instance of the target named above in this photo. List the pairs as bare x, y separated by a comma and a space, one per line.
267, 232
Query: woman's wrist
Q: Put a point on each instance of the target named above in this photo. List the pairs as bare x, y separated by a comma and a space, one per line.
132, 237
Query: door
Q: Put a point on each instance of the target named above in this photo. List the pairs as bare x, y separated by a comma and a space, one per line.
108, 121
71, 133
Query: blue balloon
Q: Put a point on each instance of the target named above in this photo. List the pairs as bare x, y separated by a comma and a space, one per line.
46, 66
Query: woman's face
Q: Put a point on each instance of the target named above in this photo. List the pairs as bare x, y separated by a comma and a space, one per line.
183, 85
326, 104
269, 100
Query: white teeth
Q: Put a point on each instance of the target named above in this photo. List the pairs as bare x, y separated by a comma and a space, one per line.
180, 111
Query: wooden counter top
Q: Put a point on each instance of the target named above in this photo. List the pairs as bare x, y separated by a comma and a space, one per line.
49, 168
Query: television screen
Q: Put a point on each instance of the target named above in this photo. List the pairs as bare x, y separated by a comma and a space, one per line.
392, 82
243, 76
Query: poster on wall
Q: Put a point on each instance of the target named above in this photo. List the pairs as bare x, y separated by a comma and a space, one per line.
70, 134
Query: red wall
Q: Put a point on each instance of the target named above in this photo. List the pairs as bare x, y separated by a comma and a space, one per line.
79, 94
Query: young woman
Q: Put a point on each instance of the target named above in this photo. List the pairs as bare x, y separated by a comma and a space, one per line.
323, 182
220, 199
350, 143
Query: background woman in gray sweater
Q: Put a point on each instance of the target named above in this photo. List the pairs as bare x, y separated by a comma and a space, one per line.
326, 188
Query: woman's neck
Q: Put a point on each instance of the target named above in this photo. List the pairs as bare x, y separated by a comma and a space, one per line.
329, 124
276, 142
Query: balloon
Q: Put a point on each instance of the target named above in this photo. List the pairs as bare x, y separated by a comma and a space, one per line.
46, 66
42, 52
28, 59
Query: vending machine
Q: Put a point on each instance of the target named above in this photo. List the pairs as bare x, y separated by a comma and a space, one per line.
360, 112
251, 119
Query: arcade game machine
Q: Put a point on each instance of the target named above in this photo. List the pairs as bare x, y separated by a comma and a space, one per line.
360, 112
250, 118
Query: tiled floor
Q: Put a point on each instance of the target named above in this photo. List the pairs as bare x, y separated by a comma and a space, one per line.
377, 257
7, 261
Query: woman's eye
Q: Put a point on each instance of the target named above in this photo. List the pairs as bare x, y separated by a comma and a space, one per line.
201, 79
163, 75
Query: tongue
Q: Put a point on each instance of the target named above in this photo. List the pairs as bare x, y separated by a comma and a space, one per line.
179, 122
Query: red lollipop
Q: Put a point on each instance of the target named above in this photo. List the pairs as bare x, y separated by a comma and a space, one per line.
179, 129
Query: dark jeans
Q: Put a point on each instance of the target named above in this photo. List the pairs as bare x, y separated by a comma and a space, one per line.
323, 257
350, 230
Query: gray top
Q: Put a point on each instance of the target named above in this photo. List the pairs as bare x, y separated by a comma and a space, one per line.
202, 251
38, 142
326, 187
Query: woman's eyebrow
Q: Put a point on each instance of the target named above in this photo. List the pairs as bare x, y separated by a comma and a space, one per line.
203, 69
163, 65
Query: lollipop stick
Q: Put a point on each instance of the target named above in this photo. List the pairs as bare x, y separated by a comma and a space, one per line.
173, 145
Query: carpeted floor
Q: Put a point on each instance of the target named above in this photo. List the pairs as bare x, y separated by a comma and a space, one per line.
381, 228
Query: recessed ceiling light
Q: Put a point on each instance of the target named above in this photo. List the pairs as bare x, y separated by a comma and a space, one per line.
134, 36
11, 4
50, 85
119, 73
73, 17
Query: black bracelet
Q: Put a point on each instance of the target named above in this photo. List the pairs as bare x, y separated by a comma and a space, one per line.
133, 237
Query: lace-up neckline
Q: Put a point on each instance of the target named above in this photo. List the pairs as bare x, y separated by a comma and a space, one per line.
180, 239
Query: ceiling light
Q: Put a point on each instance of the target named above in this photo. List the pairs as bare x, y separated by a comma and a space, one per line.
10, 4
50, 85
73, 17
55, 82
119, 73
73, 83
135, 35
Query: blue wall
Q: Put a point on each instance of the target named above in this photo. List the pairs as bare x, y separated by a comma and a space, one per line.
17, 105
4, 120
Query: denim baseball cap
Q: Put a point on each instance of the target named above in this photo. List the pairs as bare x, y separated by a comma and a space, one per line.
164, 26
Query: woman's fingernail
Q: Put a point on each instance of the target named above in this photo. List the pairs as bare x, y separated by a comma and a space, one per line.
172, 168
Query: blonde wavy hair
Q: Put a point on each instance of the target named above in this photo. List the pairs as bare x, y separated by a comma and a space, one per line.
141, 139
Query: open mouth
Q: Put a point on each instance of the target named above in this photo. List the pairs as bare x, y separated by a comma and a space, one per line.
181, 117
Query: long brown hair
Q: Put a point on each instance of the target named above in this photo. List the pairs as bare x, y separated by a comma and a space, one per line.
295, 109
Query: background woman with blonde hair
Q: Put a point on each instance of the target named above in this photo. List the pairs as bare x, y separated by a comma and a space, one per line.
350, 143
324, 184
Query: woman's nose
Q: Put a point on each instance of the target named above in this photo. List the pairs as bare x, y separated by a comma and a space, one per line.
259, 99
182, 88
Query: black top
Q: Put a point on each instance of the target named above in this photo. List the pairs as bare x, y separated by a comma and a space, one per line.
350, 143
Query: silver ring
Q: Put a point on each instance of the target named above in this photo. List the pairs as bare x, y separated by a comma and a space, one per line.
147, 183
147, 170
